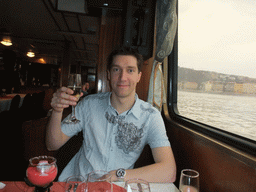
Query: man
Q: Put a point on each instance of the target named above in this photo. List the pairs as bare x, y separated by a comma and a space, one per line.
116, 126
85, 89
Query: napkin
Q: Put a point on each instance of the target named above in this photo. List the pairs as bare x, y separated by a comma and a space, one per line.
2, 185
129, 188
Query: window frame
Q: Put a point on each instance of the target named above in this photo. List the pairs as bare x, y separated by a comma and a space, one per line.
237, 141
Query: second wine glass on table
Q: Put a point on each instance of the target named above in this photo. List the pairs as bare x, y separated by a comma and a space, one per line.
189, 181
74, 83
75, 184
137, 185
99, 180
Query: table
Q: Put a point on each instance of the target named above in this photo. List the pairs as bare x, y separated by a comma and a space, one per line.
60, 186
157, 187
5, 102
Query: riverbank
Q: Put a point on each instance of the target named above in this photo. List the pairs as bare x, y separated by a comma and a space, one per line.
218, 92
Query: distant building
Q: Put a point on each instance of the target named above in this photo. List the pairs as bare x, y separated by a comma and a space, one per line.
238, 88
249, 88
180, 85
217, 86
190, 85
207, 86
229, 87
213, 86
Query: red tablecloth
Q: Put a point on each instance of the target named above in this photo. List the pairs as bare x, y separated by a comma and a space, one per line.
13, 186
7, 97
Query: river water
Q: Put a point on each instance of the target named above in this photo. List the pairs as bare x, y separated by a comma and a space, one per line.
232, 113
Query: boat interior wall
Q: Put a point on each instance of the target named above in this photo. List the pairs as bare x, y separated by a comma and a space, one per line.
221, 167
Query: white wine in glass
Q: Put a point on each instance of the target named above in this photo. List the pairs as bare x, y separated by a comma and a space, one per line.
74, 83
189, 181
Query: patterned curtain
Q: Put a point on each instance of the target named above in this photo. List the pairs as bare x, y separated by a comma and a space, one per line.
166, 27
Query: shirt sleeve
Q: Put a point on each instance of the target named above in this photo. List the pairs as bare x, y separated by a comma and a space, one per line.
73, 129
157, 136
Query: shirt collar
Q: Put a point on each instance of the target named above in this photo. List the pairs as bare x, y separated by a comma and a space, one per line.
135, 110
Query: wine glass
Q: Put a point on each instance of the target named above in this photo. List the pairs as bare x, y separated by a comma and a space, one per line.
74, 83
99, 180
137, 185
75, 183
189, 181
41, 172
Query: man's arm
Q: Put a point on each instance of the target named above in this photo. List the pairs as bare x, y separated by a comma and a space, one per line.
55, 138
163, 170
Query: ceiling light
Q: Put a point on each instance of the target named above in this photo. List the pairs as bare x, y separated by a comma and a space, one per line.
41, 60
7, 41
30, 54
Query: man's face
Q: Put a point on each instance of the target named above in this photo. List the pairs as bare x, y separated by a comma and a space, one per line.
124, 75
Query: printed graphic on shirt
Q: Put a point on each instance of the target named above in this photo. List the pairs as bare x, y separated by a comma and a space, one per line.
128, 136
150, 109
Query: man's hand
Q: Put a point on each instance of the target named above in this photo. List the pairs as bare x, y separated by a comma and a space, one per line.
63, 98
163, 170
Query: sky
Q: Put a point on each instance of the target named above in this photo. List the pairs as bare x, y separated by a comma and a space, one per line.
218, 35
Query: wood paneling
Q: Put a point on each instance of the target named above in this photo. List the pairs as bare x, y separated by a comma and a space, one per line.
221, 167
65, 65
34, 138
110, 38
143, 86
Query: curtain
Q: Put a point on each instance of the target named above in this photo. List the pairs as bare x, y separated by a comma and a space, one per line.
166, 27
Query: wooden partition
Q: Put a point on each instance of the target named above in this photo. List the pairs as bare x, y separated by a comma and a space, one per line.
143, 86
221, 167
34, 138
34, 133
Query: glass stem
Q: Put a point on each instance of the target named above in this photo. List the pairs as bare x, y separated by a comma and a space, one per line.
73, 113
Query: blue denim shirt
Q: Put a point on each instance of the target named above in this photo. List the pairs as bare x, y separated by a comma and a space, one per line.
112, 140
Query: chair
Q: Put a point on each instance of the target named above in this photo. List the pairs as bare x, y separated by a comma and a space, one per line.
47, 99
27, 100
34, 132
11, 147
38, 99
15, 103
26, 109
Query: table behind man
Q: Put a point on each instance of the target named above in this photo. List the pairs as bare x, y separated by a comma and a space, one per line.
5, 101
107, 122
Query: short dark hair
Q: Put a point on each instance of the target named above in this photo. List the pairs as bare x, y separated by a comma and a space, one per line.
125, 51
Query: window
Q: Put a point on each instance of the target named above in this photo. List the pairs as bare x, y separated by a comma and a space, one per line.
217, 64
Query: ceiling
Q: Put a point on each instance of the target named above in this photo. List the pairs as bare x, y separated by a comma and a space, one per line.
38, 25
